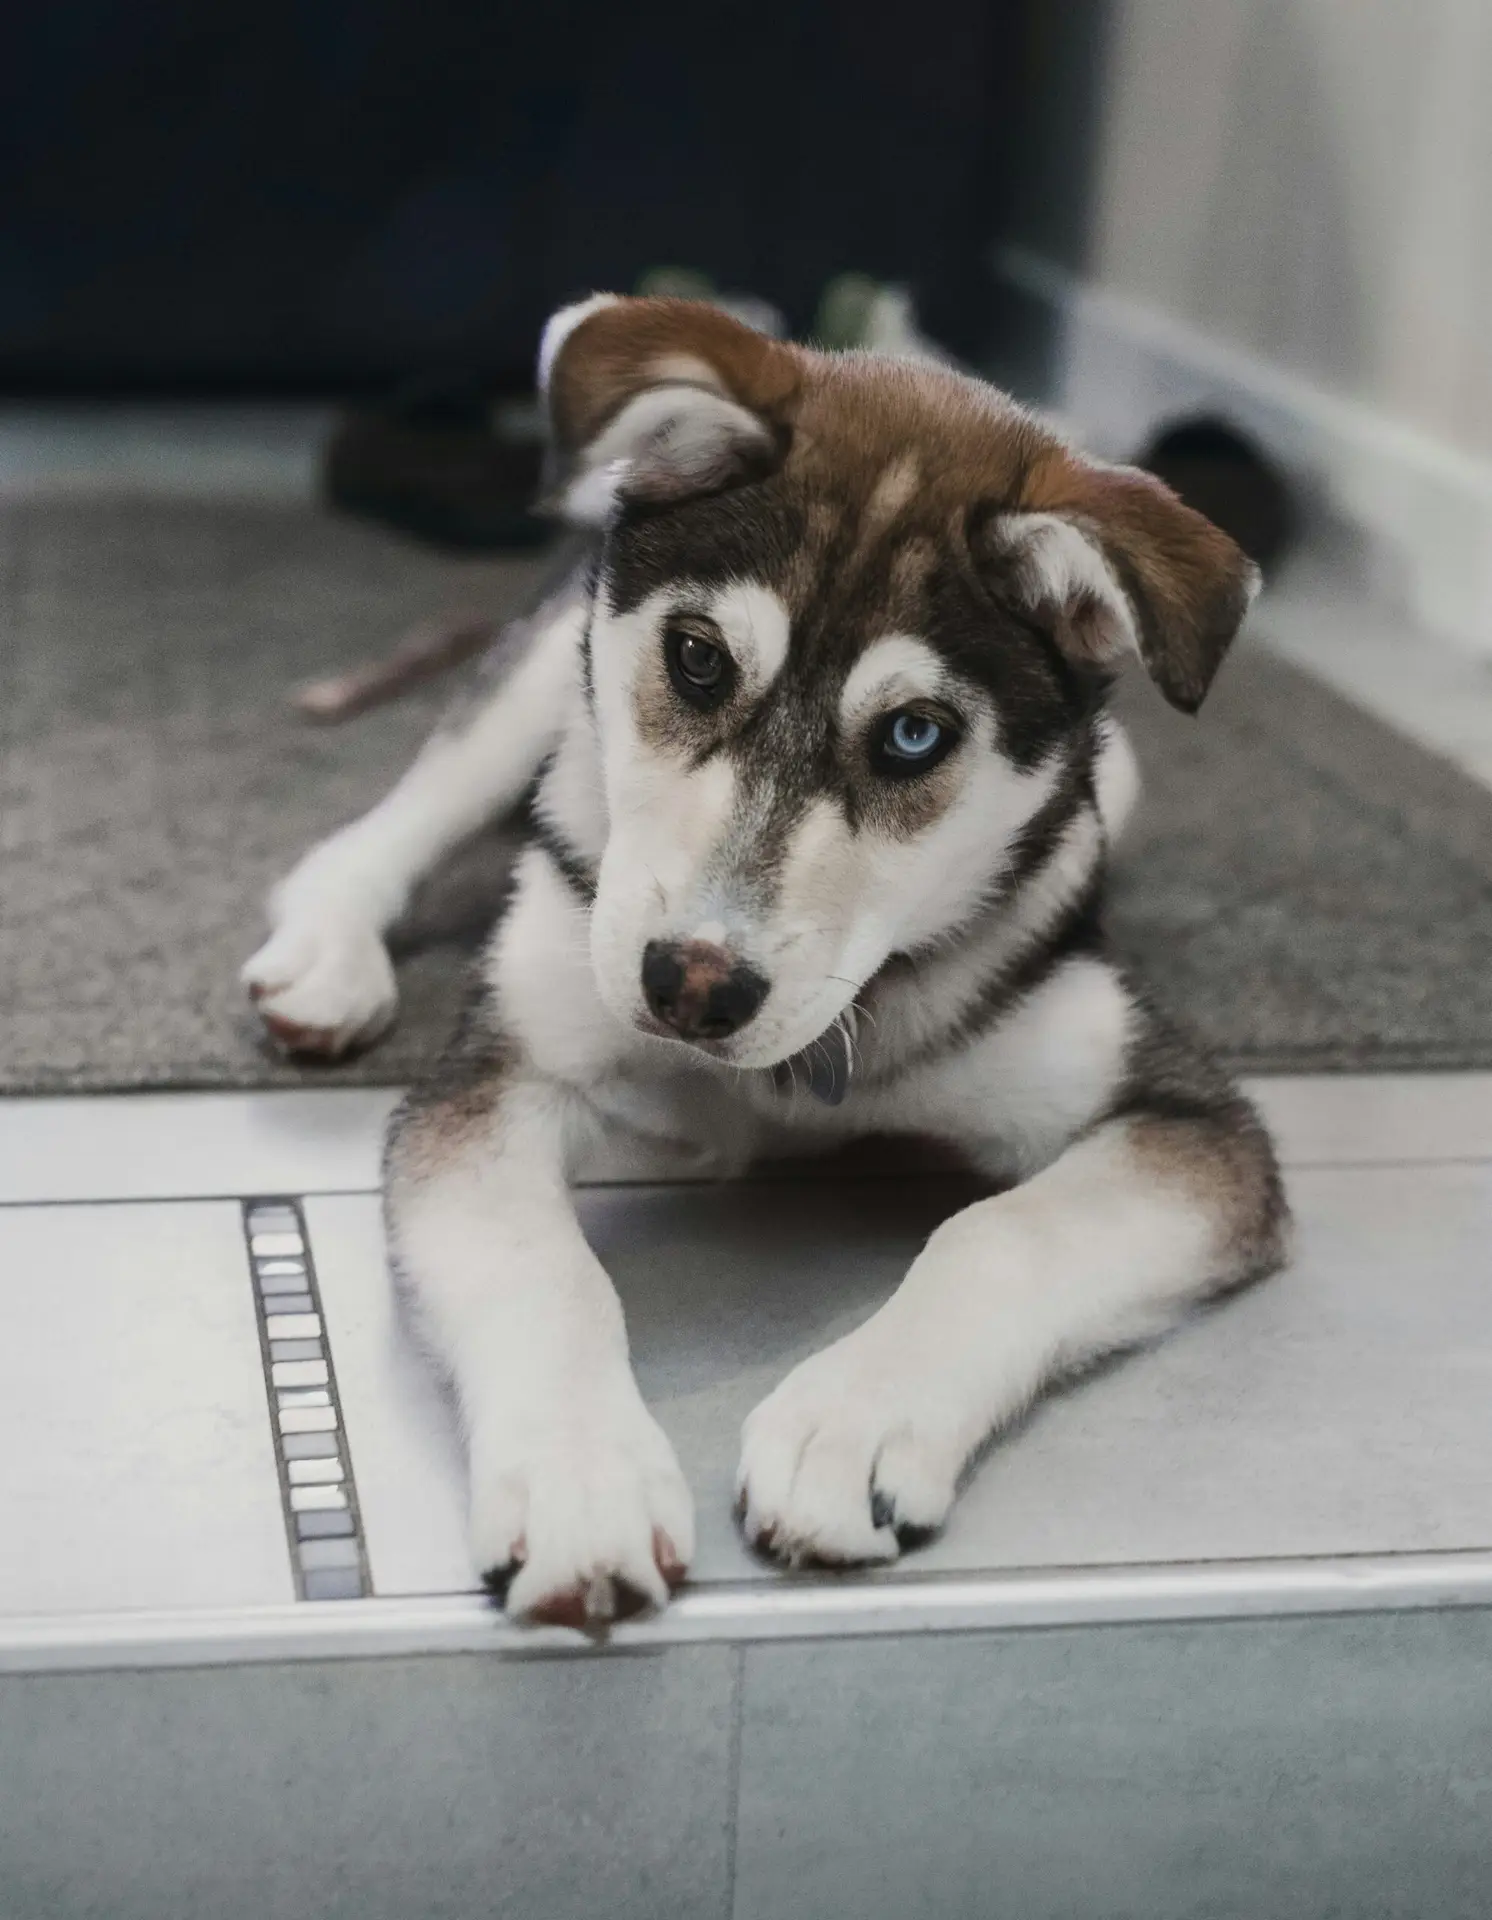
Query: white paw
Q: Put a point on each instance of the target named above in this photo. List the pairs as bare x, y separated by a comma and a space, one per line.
847, 1462
580, 1518
323, 986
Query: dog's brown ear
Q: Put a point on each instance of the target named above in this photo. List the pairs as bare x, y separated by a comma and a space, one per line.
1119, 566
657, 400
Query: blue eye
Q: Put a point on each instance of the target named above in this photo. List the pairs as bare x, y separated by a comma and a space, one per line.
913, 736
909, 743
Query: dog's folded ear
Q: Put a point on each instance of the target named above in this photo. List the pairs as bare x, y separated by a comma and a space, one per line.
657, 400
1118, 566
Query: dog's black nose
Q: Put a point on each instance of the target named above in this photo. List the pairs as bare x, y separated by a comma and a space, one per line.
700, 990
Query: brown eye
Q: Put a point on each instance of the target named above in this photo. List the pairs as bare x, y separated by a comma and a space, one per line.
699, 669
701, 664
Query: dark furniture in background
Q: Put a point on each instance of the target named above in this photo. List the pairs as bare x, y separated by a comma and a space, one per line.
335, 194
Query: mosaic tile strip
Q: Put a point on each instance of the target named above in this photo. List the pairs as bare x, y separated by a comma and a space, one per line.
317, 1490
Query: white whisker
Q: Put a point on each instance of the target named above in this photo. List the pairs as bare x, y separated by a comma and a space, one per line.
852, 1045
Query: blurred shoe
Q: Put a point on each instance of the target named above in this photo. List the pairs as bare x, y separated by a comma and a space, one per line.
447, 458
1217, 468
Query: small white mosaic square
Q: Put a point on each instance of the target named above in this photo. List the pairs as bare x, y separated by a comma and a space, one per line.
308, 1420
299, 1373
293, 1326
306, 1473
306, 1499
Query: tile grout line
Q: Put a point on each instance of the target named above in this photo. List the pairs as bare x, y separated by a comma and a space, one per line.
313, 1462
733, 1779
1308, 1163
150, 1198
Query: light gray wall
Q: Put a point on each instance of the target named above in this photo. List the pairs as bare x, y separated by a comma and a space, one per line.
1310, 180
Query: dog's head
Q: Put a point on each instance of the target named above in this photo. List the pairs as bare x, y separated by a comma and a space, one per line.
853, 623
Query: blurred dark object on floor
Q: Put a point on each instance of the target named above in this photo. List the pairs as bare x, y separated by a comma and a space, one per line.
436, 460
1219, 470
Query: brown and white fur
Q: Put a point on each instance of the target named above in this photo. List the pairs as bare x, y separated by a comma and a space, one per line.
790, 553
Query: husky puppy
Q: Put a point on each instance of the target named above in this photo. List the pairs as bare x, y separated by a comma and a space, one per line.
822, 793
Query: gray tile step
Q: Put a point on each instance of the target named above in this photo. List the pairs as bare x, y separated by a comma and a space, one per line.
1206, 1635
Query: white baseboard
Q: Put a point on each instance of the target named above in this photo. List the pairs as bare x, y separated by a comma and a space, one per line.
1422, 508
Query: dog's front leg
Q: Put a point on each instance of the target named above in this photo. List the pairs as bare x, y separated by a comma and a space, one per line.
858, 1452
323, 980
579, 1512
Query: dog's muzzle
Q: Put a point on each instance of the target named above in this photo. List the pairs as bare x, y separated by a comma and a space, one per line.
703, 992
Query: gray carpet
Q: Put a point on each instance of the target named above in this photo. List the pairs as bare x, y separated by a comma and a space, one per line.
1305, 887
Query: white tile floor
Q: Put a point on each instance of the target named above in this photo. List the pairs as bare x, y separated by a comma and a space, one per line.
1340, 1410
133, 1413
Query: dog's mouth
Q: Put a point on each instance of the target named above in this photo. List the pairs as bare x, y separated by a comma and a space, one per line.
824, 1068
